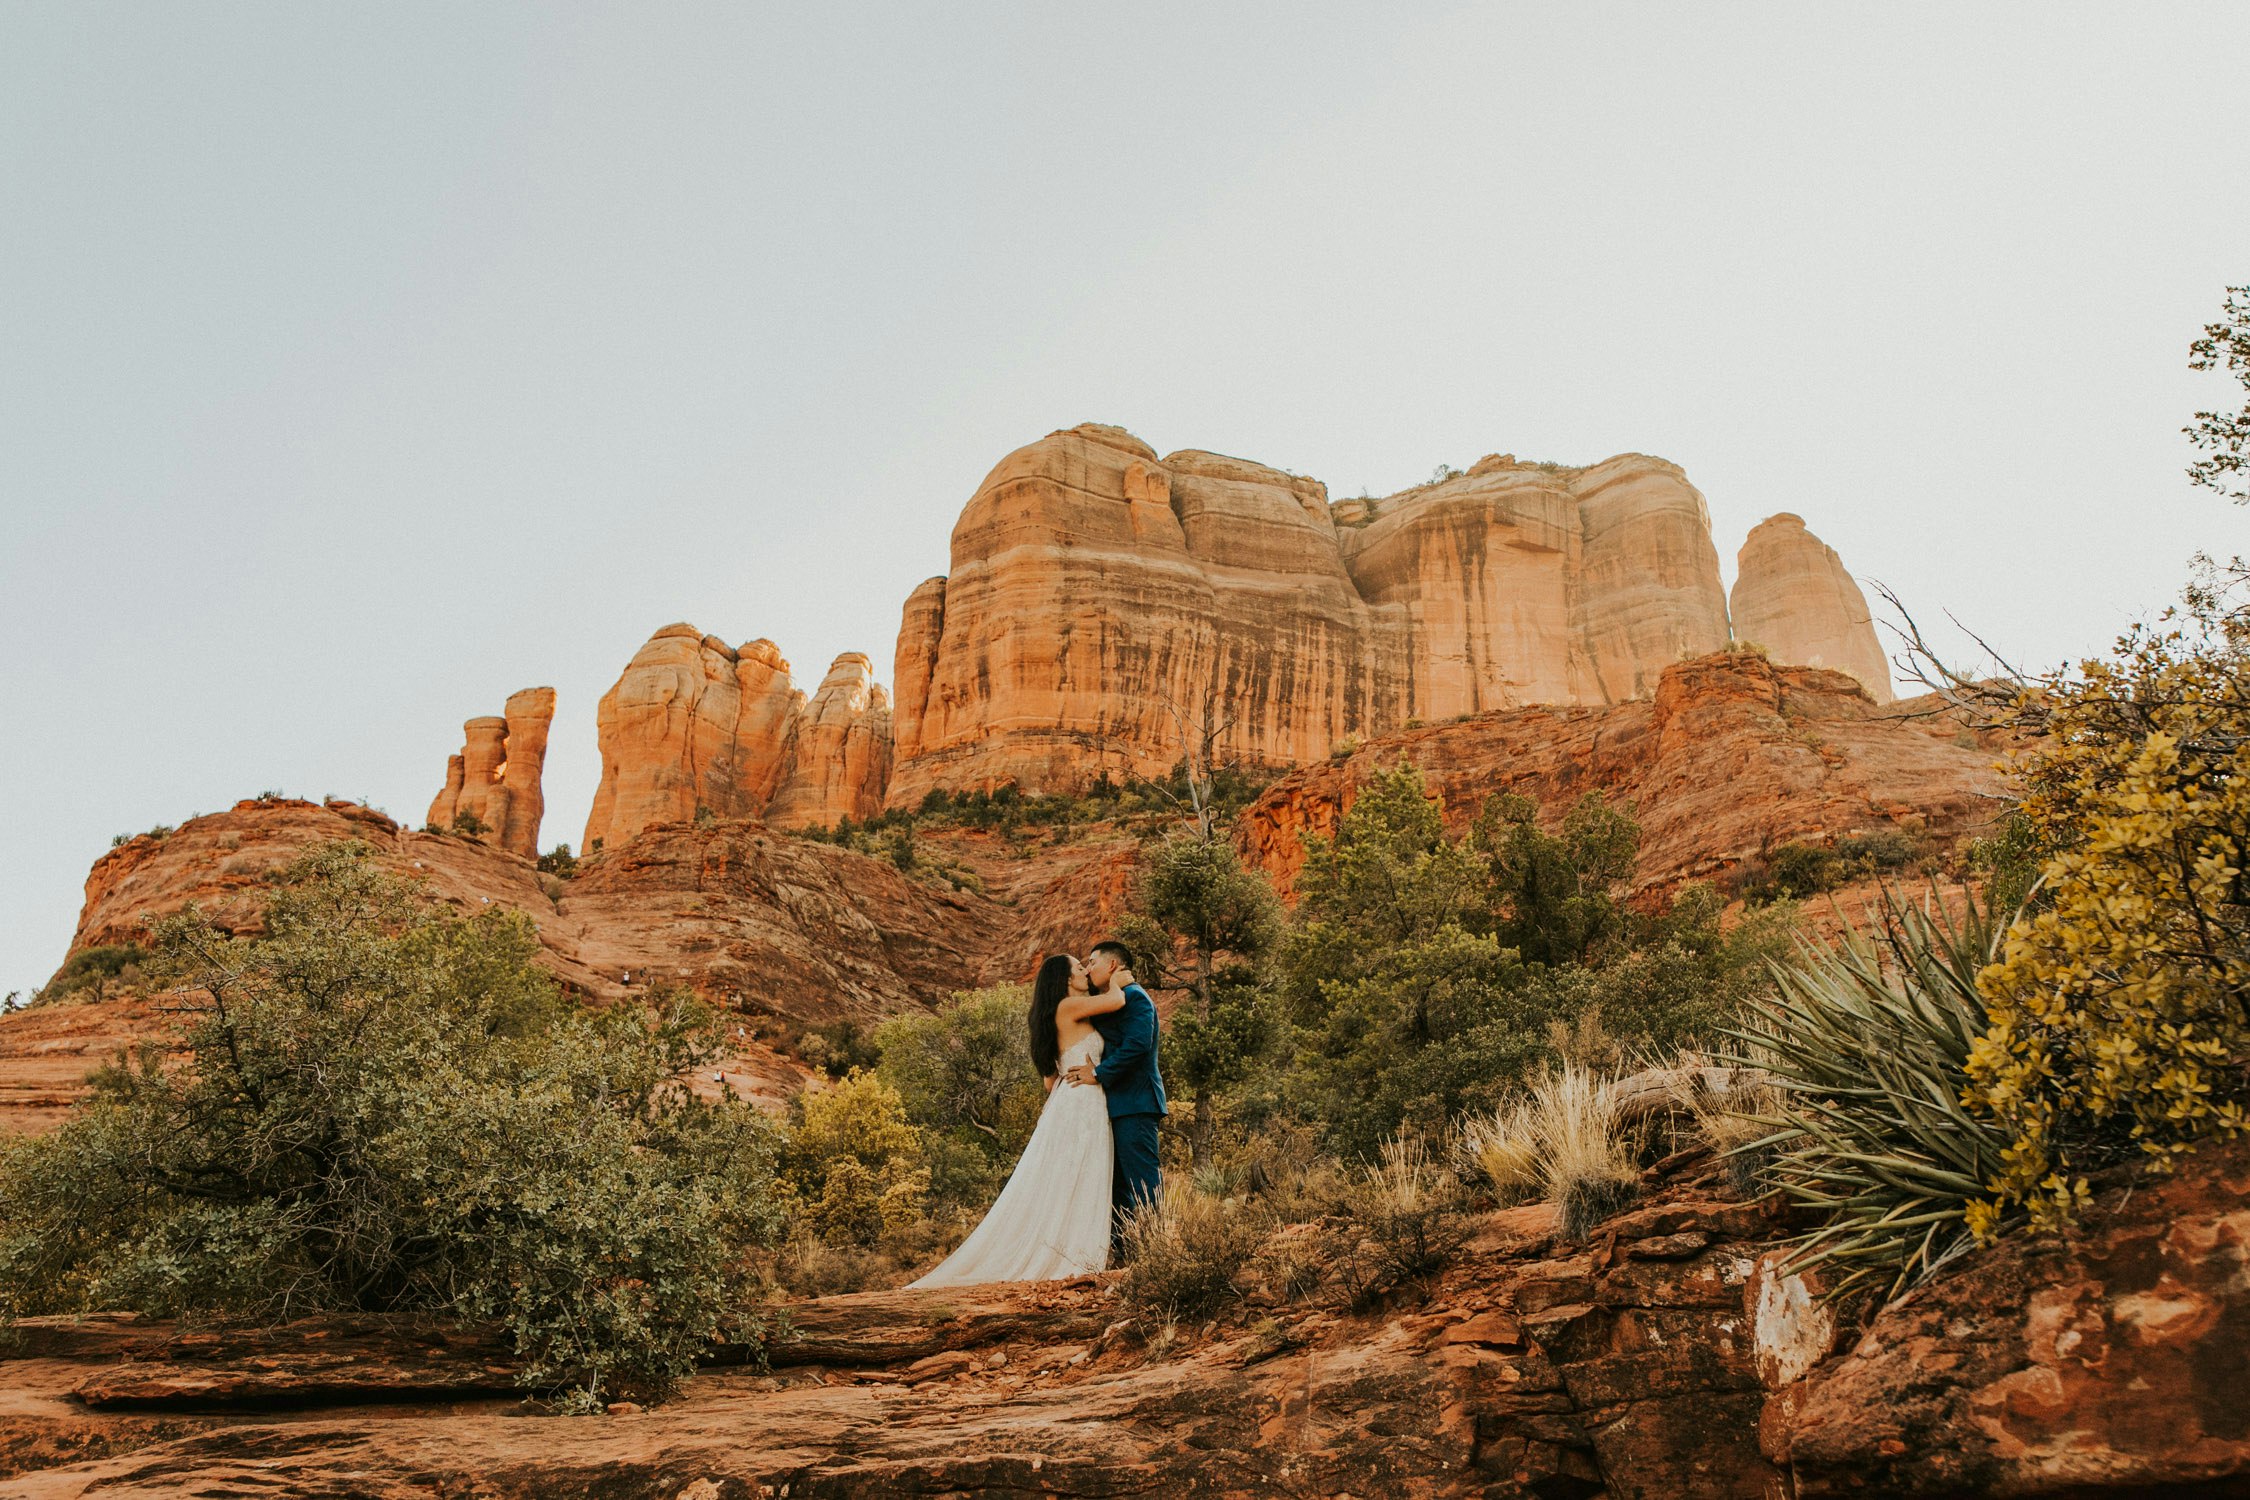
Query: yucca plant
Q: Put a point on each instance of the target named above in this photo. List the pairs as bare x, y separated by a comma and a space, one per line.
1867, 1041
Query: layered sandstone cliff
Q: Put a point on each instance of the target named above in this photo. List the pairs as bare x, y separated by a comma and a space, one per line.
495, 779
1793, 597
1108, 608
696, 728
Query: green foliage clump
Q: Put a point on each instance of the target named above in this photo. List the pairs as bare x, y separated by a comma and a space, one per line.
1402, 1003
1555, 894
559, 862
838, 1047
380, 1107
1794, 871
469, 825
854, 1163
964, 1078
90, 972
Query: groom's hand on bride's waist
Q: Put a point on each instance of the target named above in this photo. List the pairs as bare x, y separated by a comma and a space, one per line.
1079, 1072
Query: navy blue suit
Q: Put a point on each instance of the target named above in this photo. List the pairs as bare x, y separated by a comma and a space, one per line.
1129, 1075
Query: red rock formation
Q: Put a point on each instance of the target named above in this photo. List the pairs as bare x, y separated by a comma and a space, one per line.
1667, 1358
1105, 605
790, 931
2110, 1361
496, 777
1732, 756
698, 729
839, 757
1793, 598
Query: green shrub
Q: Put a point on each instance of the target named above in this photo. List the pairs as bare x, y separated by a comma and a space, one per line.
854, 1163
964, 1078
559, 862
95, 970
469, 825
837, 1048
390, 1108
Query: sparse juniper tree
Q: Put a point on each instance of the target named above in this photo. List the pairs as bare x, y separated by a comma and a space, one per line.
1206, 924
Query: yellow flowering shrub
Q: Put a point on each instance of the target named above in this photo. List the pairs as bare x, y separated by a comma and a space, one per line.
2118, 1002
855, 1165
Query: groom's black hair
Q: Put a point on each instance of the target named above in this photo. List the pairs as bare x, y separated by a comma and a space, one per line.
1116, 950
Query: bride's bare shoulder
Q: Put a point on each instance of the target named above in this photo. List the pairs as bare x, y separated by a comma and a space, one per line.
1079, 1007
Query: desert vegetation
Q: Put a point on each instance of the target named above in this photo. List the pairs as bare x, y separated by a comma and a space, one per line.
379, 1107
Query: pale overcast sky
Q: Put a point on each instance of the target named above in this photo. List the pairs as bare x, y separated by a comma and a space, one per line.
360, 365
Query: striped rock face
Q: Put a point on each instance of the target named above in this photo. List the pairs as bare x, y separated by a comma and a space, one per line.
1107, 608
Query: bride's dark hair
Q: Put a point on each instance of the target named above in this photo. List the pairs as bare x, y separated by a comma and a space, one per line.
1047, 992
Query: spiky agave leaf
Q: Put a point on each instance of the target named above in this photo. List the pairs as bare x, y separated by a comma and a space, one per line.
1867, 1040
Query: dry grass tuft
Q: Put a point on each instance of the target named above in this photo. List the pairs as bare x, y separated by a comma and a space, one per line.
1585, 1161
1183, 1252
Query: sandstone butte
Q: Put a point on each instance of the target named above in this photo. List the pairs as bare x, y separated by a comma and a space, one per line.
696, 728
495, 779
1105, 605
1670, 1358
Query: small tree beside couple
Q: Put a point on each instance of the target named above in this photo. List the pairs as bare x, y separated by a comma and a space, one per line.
1091, 1162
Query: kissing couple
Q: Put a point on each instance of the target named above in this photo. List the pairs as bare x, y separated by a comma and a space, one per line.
1092, 1160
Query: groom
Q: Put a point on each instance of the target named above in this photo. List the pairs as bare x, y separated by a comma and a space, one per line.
1129, 1074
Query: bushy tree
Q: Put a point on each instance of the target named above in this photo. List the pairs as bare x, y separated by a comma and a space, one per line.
855, 1164
2120, 1006
1404, 1000
964, 1078
1205, 924
1555, 895
379, 1106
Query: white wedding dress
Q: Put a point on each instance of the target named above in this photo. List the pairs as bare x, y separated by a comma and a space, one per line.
1052, 1219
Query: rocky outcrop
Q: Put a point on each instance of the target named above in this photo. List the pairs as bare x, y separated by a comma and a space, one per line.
786, 932
1107, 608
494, 781
1537, 1367
696, 729
838, 762
2111, 1361
1731, 756
1669, 1356
1793, 598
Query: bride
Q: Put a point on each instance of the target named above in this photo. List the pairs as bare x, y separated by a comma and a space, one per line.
1052, 1219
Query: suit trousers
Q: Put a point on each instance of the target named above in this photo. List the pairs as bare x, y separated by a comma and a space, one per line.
1138, 1178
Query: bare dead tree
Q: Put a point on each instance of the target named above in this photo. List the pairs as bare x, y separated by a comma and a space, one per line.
2001, 698
1199, 739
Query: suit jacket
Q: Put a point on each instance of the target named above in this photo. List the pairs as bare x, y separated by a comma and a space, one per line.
1128, 1071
